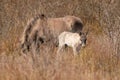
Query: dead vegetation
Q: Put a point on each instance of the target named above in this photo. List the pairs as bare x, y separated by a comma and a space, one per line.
99, 60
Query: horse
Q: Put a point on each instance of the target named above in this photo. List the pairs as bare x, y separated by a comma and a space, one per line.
41, 29
74, 40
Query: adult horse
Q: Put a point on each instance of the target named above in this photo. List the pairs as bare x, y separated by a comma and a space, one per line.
41, 29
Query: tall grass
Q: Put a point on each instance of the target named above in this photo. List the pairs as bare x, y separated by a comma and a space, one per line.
96, 61
88, 65
99, 60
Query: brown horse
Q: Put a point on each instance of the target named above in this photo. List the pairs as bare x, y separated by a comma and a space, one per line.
41, 29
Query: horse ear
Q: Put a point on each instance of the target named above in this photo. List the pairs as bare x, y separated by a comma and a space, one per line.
87, 32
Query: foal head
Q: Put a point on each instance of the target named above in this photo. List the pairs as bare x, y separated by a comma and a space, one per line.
83, 39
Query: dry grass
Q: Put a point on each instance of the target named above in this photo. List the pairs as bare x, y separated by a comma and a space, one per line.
97, 61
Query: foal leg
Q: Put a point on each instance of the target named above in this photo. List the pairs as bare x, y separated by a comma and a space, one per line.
75, 51
58, 56
59, 49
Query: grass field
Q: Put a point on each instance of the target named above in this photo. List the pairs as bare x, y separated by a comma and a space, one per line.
99, 60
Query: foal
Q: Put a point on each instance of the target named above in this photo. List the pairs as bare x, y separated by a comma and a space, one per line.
74, 40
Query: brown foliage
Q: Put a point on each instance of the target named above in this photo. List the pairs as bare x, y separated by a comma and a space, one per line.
99, 60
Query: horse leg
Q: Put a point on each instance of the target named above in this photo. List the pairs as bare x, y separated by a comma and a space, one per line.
75, 51
59, 49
